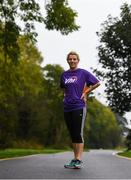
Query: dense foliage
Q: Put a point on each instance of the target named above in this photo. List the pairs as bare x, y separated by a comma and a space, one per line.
128, 140
31, 106
102, 130
64, 17
115, 60
31, 102
17, 17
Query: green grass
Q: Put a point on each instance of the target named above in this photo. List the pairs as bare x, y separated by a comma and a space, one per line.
8, 153
125, 154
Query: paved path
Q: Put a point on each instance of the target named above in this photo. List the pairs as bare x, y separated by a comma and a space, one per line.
98, 164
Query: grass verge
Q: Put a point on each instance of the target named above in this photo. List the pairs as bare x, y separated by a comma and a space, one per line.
125, 153
8, 153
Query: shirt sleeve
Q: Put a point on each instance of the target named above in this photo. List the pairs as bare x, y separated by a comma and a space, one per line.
91, 79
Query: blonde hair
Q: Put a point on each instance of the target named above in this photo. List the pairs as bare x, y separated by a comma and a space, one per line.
73, 53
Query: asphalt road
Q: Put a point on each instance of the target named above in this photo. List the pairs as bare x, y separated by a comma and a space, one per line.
97, 164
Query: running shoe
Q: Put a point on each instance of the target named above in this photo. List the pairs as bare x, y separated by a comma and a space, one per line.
74, 164
78, 164
71, 164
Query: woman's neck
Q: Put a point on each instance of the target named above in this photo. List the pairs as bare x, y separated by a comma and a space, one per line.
73, 69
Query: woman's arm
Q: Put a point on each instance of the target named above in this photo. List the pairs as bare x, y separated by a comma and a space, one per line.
87, 90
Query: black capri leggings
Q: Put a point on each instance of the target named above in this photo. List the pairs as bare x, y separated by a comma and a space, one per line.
75, 123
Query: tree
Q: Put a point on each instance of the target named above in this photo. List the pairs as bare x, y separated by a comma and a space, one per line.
11, 12
48, 125
54, 103
18, 17
18, 93
101, 127
114, 55
30, 84
60, 17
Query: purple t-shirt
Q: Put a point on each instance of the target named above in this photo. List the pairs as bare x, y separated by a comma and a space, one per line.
74, 82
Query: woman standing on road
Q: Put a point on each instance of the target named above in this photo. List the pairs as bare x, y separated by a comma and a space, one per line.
77, 83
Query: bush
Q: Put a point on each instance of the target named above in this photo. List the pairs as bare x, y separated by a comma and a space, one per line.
28, 144
128, 140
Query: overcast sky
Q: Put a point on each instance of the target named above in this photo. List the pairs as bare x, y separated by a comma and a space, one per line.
91, 14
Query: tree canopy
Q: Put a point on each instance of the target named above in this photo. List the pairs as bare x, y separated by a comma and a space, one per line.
101, 127
60, 17
31, 102
31, 106
114, 54
18, 17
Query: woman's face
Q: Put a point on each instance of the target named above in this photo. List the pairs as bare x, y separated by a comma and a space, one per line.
73, 61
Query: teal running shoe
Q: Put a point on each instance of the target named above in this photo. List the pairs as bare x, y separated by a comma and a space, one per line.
71, 164
74, 164
78, 164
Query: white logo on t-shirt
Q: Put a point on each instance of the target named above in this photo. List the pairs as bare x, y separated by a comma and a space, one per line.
72, 79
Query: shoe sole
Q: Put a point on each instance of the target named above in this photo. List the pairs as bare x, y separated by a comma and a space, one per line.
74, 167
69, 167
77, 167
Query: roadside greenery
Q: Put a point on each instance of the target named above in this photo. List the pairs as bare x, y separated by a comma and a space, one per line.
31, 102
24, 104
8, 153
125, 153
114, 57
128, 140
102, 130
32, 107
